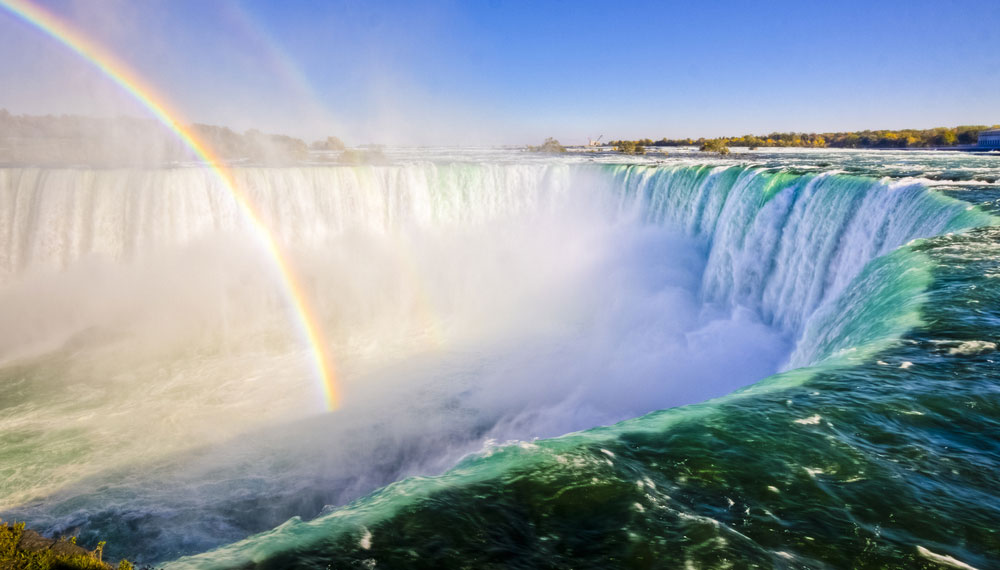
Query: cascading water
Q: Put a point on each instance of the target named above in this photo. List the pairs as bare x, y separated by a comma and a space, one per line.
161, 400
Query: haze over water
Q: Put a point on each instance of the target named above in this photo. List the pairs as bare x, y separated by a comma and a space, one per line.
160, 399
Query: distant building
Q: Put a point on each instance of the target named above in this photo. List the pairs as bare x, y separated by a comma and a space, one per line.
990, 138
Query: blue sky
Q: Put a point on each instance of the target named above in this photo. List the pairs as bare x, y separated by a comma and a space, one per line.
515, 72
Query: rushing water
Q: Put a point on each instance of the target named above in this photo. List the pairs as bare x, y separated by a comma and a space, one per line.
780, 359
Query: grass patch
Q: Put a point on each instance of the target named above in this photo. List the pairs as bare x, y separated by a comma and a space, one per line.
54, 558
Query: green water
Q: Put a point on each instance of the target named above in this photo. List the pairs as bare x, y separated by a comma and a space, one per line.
847, 467
174, 419
879, 449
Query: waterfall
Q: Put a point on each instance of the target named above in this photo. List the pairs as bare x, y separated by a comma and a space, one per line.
463, 302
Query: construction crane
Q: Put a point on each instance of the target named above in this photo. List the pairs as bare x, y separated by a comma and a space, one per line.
594, 142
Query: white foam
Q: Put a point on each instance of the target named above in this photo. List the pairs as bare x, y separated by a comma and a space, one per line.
811, 420
943, 559
973, 347
366, 539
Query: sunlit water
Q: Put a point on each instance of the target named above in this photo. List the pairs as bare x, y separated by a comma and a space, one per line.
481, 303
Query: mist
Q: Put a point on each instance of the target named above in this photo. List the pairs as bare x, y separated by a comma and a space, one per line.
161, 393
172, 372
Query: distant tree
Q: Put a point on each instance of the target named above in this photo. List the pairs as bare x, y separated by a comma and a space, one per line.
944, 137
273, 148
550, 145
968, 134
331, 143
715, 145
630, 147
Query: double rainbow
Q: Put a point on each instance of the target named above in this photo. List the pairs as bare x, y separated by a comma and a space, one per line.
120, 73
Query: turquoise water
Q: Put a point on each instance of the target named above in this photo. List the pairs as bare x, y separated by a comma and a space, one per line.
836, 310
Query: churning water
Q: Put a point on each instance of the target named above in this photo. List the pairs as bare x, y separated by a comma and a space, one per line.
837, 310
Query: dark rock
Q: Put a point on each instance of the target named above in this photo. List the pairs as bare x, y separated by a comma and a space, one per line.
31, 541
63, 548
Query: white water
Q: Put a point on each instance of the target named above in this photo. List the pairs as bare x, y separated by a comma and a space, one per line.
156, 378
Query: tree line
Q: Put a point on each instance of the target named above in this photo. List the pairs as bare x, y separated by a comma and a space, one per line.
904, 138
114, 141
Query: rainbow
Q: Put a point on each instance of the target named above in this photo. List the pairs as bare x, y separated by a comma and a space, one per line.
120, 73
